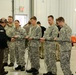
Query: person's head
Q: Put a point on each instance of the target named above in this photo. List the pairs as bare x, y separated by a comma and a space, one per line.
29, 22
60, 21
50, 19
38, 23
33, 20
10, 19
56, 22
3, 22
17, 23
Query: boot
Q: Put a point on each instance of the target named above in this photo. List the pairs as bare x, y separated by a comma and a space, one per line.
4, 73
23, 68
35, 72
5, 64
48, 73
11, 65
30, 70
18, 68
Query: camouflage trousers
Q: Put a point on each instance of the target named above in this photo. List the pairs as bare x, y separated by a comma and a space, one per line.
33, 54
65, 62
6, 52
50, 60
57, 52
19, 54
11, 51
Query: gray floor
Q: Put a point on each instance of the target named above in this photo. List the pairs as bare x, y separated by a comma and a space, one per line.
43, 67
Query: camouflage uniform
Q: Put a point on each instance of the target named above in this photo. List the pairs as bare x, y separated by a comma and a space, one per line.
6, 51
20, 45
65, 49
57, 52
50, 48
11, 46
35, 32
27, 28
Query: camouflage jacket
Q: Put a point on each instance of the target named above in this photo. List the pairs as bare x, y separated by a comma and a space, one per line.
35, 33
9, 30
51, 33
20, 32
65, 35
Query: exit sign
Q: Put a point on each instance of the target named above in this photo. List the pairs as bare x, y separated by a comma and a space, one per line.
21, 9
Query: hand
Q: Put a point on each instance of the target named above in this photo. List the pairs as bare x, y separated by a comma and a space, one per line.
55, 38
30, 38
12, 39
42, 39
16, 36
26, 37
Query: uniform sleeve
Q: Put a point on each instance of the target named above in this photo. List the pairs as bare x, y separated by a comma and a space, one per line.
65, 35
54, 34
22, 34
7, 37
38, 33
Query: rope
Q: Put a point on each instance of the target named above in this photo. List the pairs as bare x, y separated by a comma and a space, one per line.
50, 40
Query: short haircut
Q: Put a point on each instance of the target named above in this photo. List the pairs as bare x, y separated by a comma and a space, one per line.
38, 22
10, 17
34, 18
17, 21
60, 19
29, 22
51, 16
2, 20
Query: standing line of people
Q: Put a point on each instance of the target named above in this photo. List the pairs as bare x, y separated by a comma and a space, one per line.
52, 33
29, 35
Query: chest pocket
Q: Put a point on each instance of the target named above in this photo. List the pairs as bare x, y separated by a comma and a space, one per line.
34, 32
49, 32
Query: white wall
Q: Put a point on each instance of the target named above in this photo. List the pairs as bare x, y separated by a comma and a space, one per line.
67, 10
5, 8
44, 8
26, 4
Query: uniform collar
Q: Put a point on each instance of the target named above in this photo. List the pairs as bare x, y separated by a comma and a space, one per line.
10, 24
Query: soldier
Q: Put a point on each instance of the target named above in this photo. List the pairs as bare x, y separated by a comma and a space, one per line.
50, 48
35, 33
41, 48
65, 47
19, 35
9, 27
27, 28
57, 45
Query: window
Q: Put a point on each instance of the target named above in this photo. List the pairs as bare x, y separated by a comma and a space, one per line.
22, 18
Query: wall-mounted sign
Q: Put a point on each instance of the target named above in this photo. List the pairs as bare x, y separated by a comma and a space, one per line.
21, 8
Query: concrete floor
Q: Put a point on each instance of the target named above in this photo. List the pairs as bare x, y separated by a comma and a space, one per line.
43, 67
